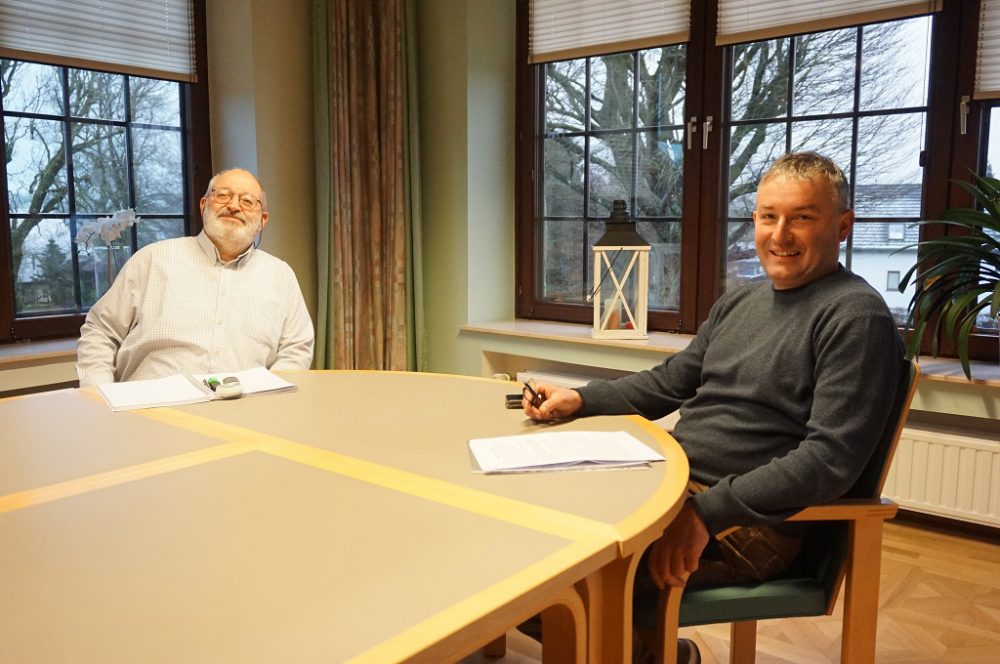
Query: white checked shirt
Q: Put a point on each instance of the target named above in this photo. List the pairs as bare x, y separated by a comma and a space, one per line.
177, 308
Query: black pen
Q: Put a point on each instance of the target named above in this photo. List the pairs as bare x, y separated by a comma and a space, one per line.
536, 398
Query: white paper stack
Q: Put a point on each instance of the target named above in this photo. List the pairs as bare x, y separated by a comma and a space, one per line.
561, 450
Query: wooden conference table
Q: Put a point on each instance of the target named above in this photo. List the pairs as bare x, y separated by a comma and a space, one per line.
339, 522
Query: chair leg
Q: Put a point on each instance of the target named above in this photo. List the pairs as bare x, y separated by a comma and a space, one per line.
743, 642
861, 592
496, 648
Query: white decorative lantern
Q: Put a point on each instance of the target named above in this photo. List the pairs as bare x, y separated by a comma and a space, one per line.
621, 279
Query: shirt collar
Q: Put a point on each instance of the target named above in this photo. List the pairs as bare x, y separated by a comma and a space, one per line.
213, 252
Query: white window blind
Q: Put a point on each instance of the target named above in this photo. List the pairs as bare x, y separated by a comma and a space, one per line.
988, 56
753, 20
152, 38
564, 29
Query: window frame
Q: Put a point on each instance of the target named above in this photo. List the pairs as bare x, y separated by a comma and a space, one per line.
528, 126
945, 155
196, 165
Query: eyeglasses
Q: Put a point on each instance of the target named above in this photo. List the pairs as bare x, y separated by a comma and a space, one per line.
248, 202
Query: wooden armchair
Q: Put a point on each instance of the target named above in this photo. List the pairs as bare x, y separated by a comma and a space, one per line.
849, 545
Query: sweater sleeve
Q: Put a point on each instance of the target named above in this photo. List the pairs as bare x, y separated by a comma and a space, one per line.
655, 392
858, 363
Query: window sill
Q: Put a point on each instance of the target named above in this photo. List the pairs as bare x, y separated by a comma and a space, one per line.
662, 343
34, 353
33, 366
945, 370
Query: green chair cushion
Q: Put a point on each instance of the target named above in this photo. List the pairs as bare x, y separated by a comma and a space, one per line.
779, 598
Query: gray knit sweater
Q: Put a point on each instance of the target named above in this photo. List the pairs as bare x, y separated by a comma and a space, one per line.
783, 396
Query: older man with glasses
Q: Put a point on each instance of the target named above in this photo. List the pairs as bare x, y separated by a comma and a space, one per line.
201, 304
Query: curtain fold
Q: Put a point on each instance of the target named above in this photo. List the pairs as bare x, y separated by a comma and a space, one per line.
365, 187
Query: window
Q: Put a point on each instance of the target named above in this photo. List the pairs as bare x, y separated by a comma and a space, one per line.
990, 166
84, 144
892, 280
613, 129
81, 144
686, 143
857, 95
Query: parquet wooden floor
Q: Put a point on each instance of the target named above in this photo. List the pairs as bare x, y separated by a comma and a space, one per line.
939, 601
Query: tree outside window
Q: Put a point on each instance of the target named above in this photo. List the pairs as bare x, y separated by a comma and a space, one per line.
81, 144
613, 126
857, 95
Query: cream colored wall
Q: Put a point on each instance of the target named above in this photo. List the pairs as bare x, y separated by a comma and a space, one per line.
261, 107
466, 97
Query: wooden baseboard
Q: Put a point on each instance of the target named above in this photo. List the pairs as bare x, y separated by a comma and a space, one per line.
950, 526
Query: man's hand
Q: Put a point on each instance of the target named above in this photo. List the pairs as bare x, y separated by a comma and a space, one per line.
675, 555
556, 402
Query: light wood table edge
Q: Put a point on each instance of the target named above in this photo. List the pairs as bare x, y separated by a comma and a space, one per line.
451, 635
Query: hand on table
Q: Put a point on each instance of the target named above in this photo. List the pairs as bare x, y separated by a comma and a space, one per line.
675, 555
557, 402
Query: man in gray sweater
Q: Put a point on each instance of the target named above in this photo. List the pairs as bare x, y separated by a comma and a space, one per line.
783, 393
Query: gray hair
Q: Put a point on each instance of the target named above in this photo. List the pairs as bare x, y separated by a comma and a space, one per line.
807, 165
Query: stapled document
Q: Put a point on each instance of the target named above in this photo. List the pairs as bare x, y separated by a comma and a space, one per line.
561, 450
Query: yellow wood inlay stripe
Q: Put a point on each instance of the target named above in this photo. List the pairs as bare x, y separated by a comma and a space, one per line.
542, 519
201, 425
51, 492
544, 578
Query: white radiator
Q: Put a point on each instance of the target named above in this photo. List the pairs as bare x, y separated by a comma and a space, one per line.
947, 474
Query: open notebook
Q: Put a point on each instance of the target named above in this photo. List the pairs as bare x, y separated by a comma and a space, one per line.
181, 389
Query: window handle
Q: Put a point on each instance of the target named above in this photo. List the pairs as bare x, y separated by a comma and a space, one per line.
963, 115
706, 130
692, 127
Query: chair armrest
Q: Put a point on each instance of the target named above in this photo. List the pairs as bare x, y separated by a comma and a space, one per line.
845, 509
848, 509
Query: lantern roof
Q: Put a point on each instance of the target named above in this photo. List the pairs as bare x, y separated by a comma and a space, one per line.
620, 229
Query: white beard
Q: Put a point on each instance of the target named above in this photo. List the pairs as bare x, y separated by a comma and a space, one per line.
233, 238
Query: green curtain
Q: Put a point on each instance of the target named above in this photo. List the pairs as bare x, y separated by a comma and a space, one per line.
370, 313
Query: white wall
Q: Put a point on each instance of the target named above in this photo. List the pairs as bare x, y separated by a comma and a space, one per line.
466, 92
261, 106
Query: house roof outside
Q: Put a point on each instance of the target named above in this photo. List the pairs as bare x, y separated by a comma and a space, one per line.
897, 204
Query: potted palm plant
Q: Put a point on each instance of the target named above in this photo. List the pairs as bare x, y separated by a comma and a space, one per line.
957, 277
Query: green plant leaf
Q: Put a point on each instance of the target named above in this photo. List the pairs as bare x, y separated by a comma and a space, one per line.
957, 276
963, 345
